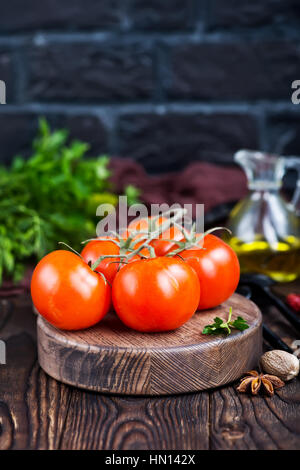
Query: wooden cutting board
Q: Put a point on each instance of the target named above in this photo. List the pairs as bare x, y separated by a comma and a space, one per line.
111, 358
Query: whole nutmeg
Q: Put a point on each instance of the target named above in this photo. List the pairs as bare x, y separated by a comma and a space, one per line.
280, 363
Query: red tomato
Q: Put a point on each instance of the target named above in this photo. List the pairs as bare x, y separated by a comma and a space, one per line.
161, 246
96, 248
108, 266
68, 293
218, 270
157, 294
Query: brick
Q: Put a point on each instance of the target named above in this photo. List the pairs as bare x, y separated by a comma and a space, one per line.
87, 128
170, 141
234, 71
160, 15
254, 14
284, 132
54, 14
19, 129
90, 72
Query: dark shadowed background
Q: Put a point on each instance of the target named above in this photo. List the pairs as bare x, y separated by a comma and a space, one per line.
163, 81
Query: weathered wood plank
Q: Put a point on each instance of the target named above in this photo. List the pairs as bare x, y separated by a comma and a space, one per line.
244, 422
104, 422
32, 405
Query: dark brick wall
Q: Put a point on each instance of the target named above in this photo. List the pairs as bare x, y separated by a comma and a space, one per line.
163, 81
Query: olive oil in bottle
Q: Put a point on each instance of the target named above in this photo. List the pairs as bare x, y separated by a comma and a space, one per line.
281, 262
265, 227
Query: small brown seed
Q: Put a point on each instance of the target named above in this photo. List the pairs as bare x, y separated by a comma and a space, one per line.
280, 363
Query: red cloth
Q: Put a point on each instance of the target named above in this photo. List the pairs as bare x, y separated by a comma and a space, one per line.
199, 182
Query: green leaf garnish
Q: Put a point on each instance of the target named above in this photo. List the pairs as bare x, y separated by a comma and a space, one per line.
50, 196
224, 327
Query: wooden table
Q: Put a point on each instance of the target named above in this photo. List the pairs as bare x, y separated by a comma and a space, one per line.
37, 412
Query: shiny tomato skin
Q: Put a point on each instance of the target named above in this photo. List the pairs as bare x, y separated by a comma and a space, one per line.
218, 270
96, 248
67, 293
158, 294
108, 266
161, 245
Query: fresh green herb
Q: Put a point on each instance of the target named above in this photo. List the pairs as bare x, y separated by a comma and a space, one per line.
224, 327
50, 197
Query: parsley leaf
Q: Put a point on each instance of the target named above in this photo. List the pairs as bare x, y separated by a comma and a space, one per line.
49, 197
240, 324
224, 327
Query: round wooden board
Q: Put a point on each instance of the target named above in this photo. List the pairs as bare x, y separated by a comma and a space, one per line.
111, 358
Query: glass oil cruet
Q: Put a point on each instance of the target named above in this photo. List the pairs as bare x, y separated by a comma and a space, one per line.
266, 228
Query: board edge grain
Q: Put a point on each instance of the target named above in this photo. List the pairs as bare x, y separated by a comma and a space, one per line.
146, 371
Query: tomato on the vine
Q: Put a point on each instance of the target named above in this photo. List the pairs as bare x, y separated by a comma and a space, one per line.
68, 293
218, 270
157, 294
113, 261
96, 248
161, 244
